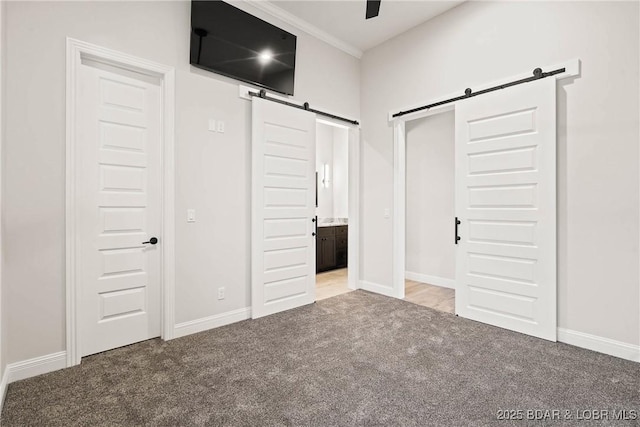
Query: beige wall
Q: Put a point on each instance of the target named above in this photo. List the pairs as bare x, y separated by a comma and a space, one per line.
598, 126
340, 184
324, 154
3, 323
213, 170
430, 249
332, 148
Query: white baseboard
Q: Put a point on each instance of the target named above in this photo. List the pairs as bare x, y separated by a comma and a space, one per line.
210, 322
37, 366
4, 383
30, 368
431, 280
375, 287
600, 344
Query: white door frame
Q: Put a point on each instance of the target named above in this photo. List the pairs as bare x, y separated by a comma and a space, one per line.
77, 51
353, 253
572, 69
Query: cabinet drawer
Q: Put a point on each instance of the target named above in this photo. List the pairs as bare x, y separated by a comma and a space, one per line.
326, 231
342, 230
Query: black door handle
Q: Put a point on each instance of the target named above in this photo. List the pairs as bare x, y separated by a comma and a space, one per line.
152, 241
313, 234
456, 232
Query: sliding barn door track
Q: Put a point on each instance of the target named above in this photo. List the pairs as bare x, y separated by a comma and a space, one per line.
263, 94
468, 93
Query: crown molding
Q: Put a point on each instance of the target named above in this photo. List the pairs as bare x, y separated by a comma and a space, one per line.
303, 25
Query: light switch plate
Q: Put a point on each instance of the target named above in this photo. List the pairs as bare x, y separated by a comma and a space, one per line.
387, 214
191, 215
220, 126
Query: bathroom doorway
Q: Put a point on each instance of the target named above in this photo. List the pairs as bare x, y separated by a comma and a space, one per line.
332, 210
429, 245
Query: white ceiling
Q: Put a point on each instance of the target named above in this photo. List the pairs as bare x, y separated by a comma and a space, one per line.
344, 19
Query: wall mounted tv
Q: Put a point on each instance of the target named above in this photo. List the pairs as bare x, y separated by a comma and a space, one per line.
231, 42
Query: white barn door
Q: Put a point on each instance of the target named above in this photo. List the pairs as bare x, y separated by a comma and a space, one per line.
283, 206
506, 205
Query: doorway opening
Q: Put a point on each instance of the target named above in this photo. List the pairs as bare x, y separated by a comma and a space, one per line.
284, 199
332, 209
504, 226
430, 261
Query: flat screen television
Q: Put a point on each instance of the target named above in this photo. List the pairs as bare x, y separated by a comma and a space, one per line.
231, 42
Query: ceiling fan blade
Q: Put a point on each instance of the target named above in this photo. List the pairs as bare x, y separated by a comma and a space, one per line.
373, 8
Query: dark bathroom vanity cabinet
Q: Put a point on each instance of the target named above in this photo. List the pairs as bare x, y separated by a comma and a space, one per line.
331, 247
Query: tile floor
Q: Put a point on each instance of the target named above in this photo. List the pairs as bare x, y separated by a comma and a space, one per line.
436, 297
332, 283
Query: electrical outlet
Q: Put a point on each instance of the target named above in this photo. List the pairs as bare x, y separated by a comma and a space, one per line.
212, 125
220, 126
191, 215
221, 293
387, 214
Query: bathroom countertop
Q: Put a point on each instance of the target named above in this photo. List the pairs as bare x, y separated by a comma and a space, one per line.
325, 223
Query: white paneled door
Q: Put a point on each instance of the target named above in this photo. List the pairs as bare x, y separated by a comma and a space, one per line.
118, 156
506, 205
283, 206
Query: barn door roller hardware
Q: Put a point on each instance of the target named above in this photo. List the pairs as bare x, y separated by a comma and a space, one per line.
468, 93
263, 94
457, 223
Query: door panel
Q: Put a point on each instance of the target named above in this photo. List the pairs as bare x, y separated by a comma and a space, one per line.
118, 188
283, 205
506, 202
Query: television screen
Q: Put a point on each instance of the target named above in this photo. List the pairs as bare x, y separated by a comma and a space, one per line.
231, 42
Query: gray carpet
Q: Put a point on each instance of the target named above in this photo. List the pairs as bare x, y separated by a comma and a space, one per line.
357, 359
